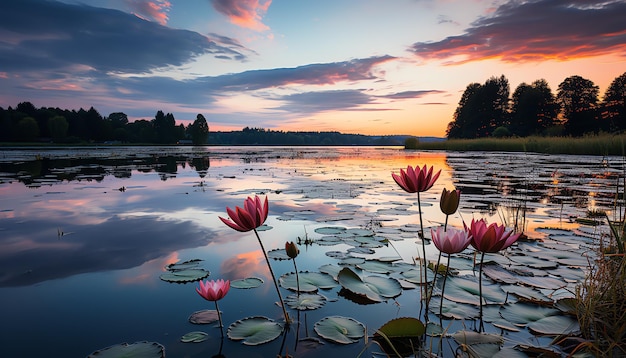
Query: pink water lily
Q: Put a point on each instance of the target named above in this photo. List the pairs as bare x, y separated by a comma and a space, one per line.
251, 216
416, 180
449, 201
451, 241
213, 290
490, 238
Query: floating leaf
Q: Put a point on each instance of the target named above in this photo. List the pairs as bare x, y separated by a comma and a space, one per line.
465, 289
246, 283
338, 329
136, 350
414, 275
181, 276
471, 337
375, 288
183, 265
204, 317
305, 301
376, 266
401, 335
524, 313
330, 269
331, 230
309, 281
254, 330
554, 325
194, 337
278, 254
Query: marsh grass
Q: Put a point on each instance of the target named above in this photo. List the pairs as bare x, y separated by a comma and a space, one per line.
603, 144
602, 298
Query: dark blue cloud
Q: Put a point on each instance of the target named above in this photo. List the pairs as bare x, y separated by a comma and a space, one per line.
38, 34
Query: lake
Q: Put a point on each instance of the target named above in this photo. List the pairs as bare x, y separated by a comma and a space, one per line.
86, 235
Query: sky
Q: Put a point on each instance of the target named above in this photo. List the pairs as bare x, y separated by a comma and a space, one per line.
355, 66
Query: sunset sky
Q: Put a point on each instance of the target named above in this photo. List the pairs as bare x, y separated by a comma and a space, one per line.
354, 66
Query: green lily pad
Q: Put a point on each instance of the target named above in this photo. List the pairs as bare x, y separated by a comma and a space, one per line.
374, 288
254, 330
183, 265
375, 266
414, 275
554, 325
204, 317
339, 329
525, 313
331, 230
194, 337
182, 276
465, 289
309, 281
246, 283
471, 338
136, 350
278, 254
330, 269
305, 301
401, 335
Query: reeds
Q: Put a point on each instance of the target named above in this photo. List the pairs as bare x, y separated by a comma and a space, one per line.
602, 144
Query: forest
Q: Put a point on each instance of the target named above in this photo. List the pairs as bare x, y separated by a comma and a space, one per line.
488, 110
27, 124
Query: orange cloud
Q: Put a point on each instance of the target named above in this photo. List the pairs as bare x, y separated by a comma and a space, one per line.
151, 10
244, 13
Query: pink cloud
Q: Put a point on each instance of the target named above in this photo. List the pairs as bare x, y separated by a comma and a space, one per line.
244, 13
155, 10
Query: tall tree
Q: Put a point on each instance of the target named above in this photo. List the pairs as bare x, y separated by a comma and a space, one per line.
58, 127
164, 127
533, 108
578, 99
199, 130
614, 104
481, 110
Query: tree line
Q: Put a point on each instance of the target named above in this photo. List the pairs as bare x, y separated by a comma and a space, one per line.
486, 110
25, 123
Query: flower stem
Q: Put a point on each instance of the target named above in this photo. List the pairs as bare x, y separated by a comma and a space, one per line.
426, 298
297, 277
480, 290
267, 260
443, 287
219, 317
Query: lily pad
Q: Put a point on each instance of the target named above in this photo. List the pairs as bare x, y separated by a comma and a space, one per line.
204, 317
339, 329
254, 330
375, 288
554, 325
246, 283
183, 265
278, 254
471, 338
136, 350
309, 281
305, 301
401, 335
182, 276
194, 337
414, 275
465, 289
375, 266
330, 230
524, 313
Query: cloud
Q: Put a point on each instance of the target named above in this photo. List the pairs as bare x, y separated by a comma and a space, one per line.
320, 101
536, 31
150, 10
53, 36
244, 13
411, 94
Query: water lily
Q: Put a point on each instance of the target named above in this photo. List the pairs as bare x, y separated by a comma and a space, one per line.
450, 242
252, 215
417, 181
488, 238
214, 291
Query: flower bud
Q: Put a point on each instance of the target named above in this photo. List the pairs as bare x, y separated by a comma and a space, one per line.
292, 249
449, 202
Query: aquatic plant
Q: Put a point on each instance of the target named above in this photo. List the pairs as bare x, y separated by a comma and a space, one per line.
488, 239
248, 218
292, 251
416, 181
214, 291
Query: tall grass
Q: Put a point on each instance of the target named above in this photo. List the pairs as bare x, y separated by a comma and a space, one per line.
603, 144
